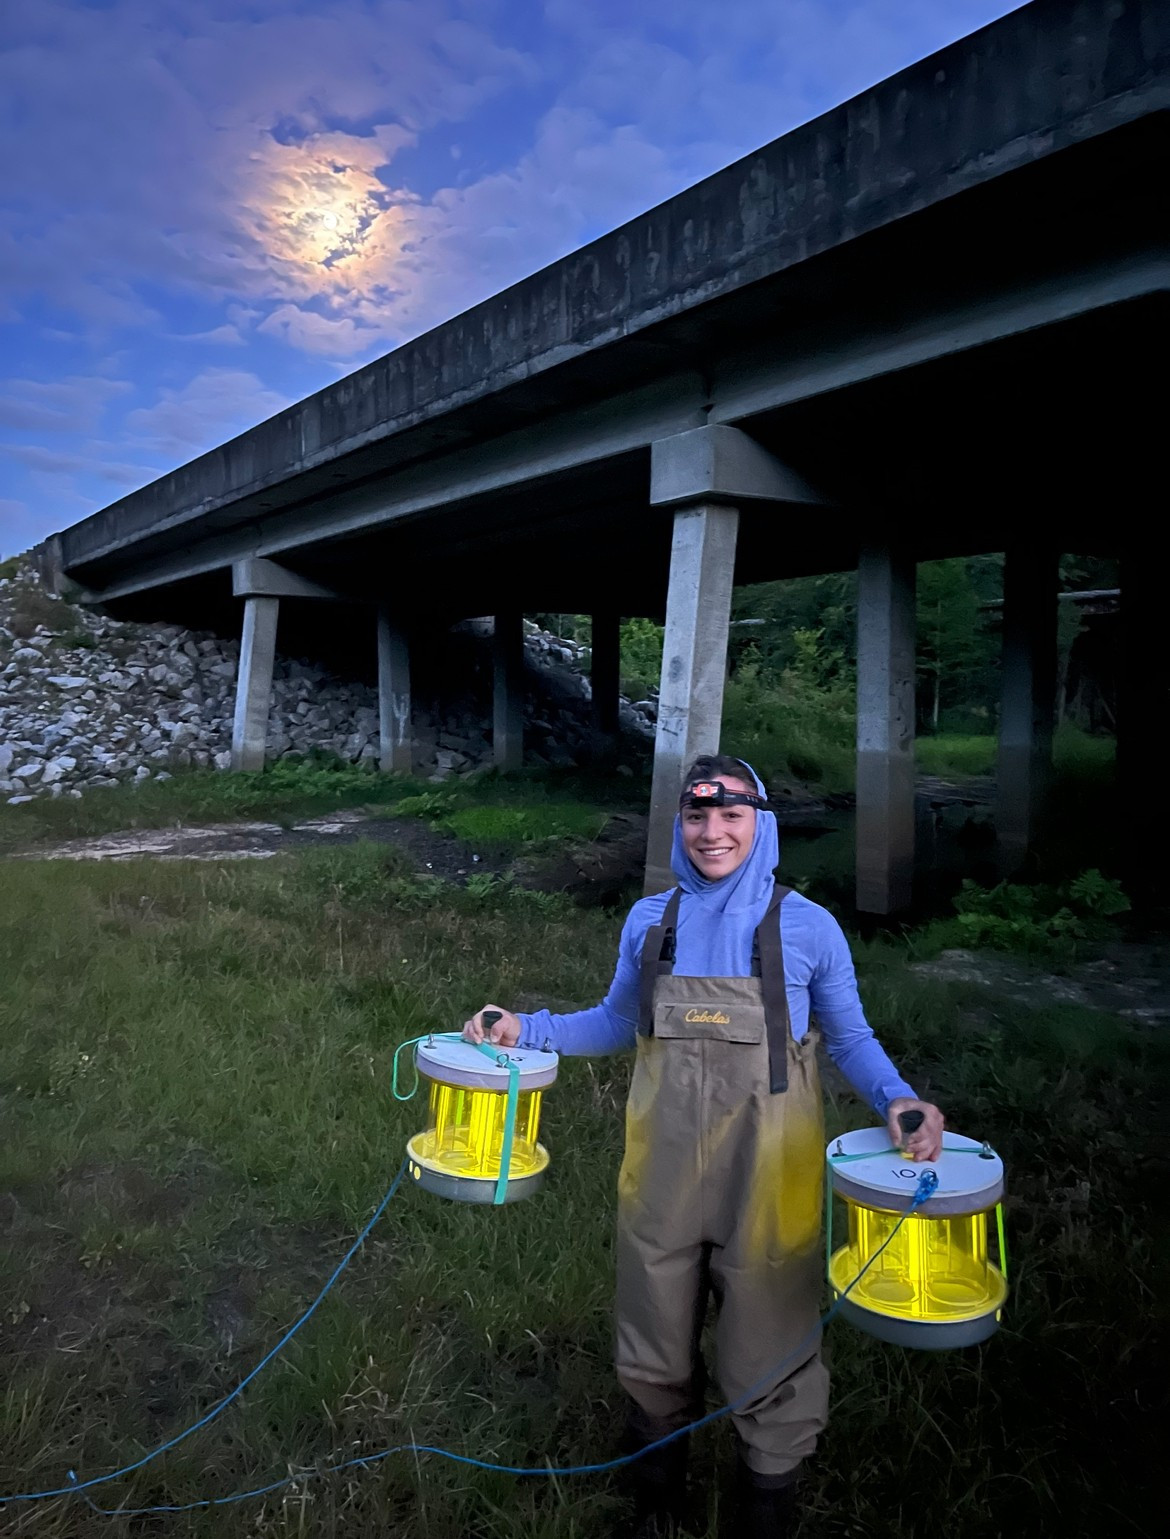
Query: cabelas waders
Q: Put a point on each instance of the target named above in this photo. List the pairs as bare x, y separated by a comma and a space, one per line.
720, 1192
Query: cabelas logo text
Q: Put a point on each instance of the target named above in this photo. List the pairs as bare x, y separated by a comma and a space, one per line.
708, 1017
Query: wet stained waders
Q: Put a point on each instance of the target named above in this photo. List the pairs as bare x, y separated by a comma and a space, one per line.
720, 1196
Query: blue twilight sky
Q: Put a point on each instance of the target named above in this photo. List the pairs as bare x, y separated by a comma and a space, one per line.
210, 208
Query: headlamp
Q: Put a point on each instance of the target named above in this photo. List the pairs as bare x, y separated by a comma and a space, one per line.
713, 793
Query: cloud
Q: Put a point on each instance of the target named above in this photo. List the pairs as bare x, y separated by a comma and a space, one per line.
265, 122
36, 457
333, 337
71, 405
215, 405
219, 336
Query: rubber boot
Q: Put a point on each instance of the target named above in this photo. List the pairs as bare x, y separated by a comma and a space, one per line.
659, 1481
767, 1505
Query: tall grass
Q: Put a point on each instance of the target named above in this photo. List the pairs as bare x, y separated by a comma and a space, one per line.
554, 803
194, 1086
1076, 754
284, 792
953, 753
795, 727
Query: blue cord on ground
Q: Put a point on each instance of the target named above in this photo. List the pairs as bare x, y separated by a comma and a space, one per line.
927, 1183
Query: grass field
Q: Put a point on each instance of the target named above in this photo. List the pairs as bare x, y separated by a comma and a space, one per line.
194, 1094
1075, 754
508, 811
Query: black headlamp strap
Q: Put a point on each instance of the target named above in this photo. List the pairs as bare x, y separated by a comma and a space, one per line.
713, 793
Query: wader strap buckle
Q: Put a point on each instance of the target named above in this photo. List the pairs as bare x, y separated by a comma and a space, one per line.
657, 960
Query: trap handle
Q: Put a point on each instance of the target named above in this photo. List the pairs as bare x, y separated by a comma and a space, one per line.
911, 1121
490, 1017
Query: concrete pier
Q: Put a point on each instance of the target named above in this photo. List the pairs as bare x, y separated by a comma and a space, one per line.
394, 724
508, 691
1027, 701
694, 660
885, 729
254, 682
707, 475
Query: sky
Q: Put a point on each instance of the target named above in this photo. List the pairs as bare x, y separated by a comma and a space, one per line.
211, 208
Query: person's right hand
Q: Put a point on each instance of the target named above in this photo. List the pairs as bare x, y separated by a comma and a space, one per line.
505, 1031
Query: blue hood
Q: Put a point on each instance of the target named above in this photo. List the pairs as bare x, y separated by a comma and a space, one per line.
718, 919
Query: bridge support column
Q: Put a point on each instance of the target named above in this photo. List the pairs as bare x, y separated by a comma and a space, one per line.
1027, 702
605, 672
694, 661
508, 692
706, 475
885, 730
394, 710
261, 584
254, 682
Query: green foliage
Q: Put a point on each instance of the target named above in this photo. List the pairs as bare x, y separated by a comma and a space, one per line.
1014, 917
362, 873
950, 753
1099, 895
1081, 754
1076, 755
28, 606
641, 652
958, 639
485, 890
513, 828
501, 816
800, 726
11, 568
431, 805
826, 605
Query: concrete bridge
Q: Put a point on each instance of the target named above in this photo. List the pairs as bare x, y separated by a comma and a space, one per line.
929, 323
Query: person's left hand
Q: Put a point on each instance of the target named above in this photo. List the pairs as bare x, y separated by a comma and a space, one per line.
925, 1143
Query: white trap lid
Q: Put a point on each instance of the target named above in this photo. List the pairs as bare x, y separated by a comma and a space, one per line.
970, 1178
456, 1062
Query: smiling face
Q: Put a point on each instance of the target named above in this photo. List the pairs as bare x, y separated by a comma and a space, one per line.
719, 839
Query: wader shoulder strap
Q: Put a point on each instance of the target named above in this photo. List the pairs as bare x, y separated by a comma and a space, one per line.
657, 959
769, 948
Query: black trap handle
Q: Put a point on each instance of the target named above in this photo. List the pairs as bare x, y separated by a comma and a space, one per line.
488, 1020
911, 1121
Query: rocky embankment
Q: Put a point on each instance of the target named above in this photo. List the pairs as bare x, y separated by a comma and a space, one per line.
88, 701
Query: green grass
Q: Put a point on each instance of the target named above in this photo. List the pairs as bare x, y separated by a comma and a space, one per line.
285, 792
1075, 754
511, 814
498, 824
194, 1087
510, 810
791, 728
952, 754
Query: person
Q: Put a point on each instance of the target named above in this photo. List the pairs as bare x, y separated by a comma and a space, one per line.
717, 983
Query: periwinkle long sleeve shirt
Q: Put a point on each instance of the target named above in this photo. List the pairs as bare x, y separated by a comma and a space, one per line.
818, 976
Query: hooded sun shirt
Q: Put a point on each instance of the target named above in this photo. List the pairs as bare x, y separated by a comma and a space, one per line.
717, 922
717, 925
